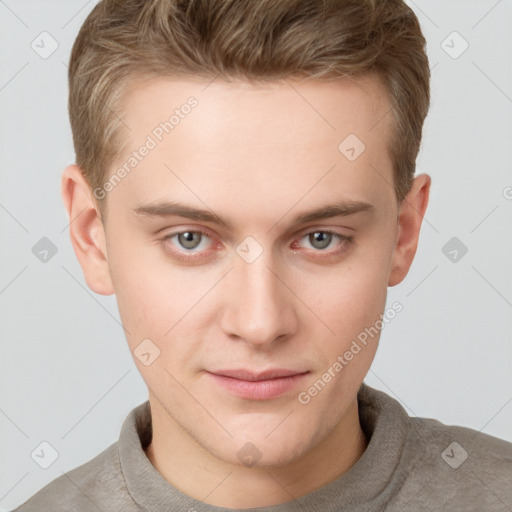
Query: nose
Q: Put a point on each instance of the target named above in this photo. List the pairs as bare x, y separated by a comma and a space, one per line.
259, 307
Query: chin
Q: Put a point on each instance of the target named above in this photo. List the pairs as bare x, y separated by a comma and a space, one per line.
261, 450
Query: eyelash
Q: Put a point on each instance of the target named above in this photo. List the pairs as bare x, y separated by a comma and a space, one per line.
190, 255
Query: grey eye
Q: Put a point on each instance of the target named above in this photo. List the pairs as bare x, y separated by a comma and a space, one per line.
320, 239
189, 239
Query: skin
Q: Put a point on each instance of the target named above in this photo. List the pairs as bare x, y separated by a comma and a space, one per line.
257, 156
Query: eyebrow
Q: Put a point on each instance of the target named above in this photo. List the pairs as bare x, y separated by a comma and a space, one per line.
172, 208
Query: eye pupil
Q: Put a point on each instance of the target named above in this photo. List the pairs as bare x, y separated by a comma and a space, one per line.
189, 239
320, 239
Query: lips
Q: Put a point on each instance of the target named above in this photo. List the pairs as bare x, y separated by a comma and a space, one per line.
259, 385
257, 376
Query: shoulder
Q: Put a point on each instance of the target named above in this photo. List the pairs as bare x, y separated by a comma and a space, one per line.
96, 485
484, 446
456, 445
459, 466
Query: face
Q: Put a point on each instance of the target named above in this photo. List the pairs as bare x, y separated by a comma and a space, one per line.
252, 235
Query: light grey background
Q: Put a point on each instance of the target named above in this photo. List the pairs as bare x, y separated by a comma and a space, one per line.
67, 377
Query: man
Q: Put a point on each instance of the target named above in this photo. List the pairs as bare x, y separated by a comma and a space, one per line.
245, 186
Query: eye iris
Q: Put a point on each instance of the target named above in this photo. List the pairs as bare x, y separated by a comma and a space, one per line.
320, 239
189, 239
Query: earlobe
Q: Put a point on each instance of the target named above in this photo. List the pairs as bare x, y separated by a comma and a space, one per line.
86, 230
412, 211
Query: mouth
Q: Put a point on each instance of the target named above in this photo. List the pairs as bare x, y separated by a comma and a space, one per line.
264, 385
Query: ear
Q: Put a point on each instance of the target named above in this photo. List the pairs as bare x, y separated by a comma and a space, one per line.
411, 213
86, 230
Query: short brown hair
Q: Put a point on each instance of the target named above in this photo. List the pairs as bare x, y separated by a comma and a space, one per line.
249, 39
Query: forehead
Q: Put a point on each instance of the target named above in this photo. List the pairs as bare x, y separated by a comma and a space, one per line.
310, 107
257, 139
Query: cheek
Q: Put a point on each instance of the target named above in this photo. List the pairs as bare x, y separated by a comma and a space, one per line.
350, 300
147, 293
351, 309
163, 303
352, 296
